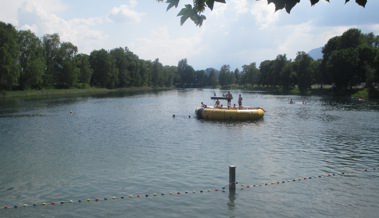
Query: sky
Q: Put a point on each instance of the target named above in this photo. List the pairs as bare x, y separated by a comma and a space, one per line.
237, 33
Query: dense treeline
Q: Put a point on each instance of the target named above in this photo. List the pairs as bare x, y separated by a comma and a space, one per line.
349, 60
29, 62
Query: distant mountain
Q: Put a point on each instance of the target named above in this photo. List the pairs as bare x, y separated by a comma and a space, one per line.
316, 53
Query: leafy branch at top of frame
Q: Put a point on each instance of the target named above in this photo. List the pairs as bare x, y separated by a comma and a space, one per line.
195, 11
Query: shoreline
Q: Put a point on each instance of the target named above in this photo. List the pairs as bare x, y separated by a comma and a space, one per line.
361, 94
73, 92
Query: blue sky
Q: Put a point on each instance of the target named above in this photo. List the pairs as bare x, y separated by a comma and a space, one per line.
237, 33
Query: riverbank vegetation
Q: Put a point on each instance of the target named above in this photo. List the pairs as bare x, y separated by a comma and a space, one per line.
30, 65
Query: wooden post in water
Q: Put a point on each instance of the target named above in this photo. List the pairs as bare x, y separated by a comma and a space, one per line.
232, 177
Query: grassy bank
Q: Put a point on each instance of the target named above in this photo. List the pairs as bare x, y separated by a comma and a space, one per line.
73, 92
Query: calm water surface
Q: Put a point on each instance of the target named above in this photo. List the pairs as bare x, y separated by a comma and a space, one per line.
64, 149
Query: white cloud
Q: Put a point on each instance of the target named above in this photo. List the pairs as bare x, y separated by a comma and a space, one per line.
159, 44
8, 12
241, 6
264, 14
77, 31
123, 13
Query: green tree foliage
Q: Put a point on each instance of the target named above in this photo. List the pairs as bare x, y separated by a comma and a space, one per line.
29, 62
265, 68
195, 11
286, 76
51, 43
9, 67
145, 72
157, 69
31, 59
226, 77
302, 69
250, 75
66, 72
133, 65
85, 72
212, 79
186, 74
276, 70
105, 73
120, 56
358, 51
341, 65
169, 74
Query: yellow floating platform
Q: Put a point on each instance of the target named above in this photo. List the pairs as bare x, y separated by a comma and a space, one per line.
246, 113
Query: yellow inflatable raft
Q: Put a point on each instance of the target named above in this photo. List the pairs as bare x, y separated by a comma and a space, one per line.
246, 113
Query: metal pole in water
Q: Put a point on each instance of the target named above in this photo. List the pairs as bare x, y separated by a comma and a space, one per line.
232, 177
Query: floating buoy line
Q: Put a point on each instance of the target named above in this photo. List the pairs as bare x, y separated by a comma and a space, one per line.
178, 193
181, 116
306, 178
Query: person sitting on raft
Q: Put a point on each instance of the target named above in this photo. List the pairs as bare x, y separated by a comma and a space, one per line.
203, 105
217, 104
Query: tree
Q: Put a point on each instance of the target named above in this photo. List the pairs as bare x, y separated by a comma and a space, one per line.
265, 69
105, 73
286, 76
145, 72
200, 78
51, 43
119, 54
85, 71
212, 77
186, 74
225, 76
156, 71
327, 50
31, 59
9, 67
302, 65
66, 71
342, 64
351, 38
133, 64
170, 73
276, 69
195, 11
250, 74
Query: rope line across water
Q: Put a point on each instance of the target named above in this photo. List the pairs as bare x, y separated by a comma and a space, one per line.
306, 178
178, 193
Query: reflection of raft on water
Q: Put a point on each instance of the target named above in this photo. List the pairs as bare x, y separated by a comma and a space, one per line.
246, 113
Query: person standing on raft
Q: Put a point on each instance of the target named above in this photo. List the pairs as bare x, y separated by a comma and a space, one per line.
240, 101
229, 98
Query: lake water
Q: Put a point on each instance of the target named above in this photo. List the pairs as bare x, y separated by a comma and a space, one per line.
62, 149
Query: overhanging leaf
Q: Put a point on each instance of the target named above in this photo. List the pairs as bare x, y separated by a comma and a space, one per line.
186, 13
210, 4
279, 5
172, 3
313, 2
290, 5
361, 2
